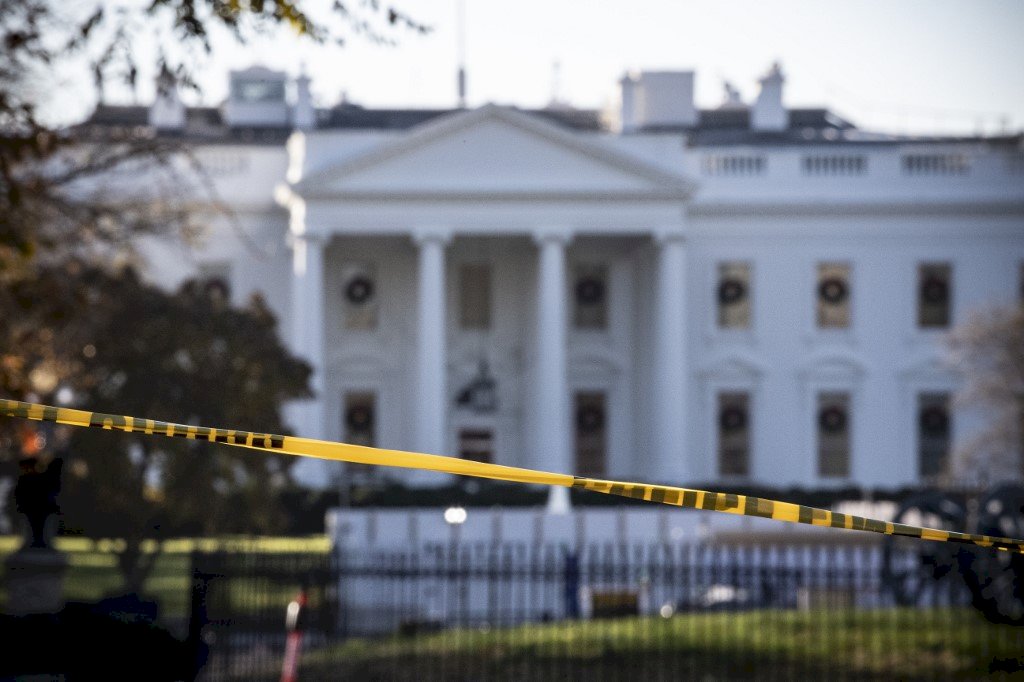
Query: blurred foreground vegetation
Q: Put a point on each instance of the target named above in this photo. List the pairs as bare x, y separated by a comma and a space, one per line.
844, 643
847, 643
93, 569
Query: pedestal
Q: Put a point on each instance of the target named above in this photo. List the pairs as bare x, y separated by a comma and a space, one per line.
34, 577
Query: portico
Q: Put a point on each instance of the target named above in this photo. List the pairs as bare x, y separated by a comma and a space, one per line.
478, 268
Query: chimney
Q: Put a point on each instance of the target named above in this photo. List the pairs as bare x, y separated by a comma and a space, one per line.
628, 86
303, 114
167, 111
658, 99
768, 113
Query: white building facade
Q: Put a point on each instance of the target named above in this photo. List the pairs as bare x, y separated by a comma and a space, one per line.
748, 294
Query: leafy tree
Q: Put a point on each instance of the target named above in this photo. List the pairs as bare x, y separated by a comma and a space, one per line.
56, 198
61, 214
989, 350
185, 357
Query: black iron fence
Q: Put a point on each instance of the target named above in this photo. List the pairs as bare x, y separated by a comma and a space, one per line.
506, 585
517, 611
243, 599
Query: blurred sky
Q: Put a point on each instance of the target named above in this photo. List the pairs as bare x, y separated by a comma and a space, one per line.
905, 65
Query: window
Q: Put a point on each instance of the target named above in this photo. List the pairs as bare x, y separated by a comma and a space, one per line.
590, 296
360, 418
833, 308
476, 445
590, 433
246, 90
215, 280
359, 296
933, 429
733, 434
732, 165
934, 284
833, 434
936, 164
475, 296
834, 164
733, 295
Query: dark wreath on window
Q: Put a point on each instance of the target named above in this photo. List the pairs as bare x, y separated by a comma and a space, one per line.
934, 290
731, 291
589, 419
833, 290
934, 421
732, 419
359, 290
589, 291
832, 419
216, 288
359, 418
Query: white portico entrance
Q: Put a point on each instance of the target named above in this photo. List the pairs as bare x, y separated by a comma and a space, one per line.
461, 253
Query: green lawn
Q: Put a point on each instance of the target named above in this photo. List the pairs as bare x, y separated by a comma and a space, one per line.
844, 643
93, 574
870, 644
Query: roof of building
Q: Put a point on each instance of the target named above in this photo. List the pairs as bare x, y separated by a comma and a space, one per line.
206, 124
202, 124
715, 127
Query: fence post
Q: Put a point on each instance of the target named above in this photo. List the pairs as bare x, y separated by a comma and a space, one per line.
198, 616
571, 584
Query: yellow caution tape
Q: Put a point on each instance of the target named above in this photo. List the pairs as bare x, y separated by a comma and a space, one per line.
743, 505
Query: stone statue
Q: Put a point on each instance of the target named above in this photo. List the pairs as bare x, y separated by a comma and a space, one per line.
35, 573
36, 497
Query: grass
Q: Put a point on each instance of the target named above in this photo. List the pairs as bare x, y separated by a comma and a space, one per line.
867, 644
70, 544
846, 643
93, 574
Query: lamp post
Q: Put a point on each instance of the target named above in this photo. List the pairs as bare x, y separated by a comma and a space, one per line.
455, 516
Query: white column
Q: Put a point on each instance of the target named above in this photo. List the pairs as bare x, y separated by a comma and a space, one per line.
670, 377
307, 416
552, 450
431, 354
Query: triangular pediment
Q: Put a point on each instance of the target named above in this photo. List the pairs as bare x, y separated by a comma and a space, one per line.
495, 151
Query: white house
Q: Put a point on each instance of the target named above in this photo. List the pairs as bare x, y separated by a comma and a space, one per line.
749, 293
